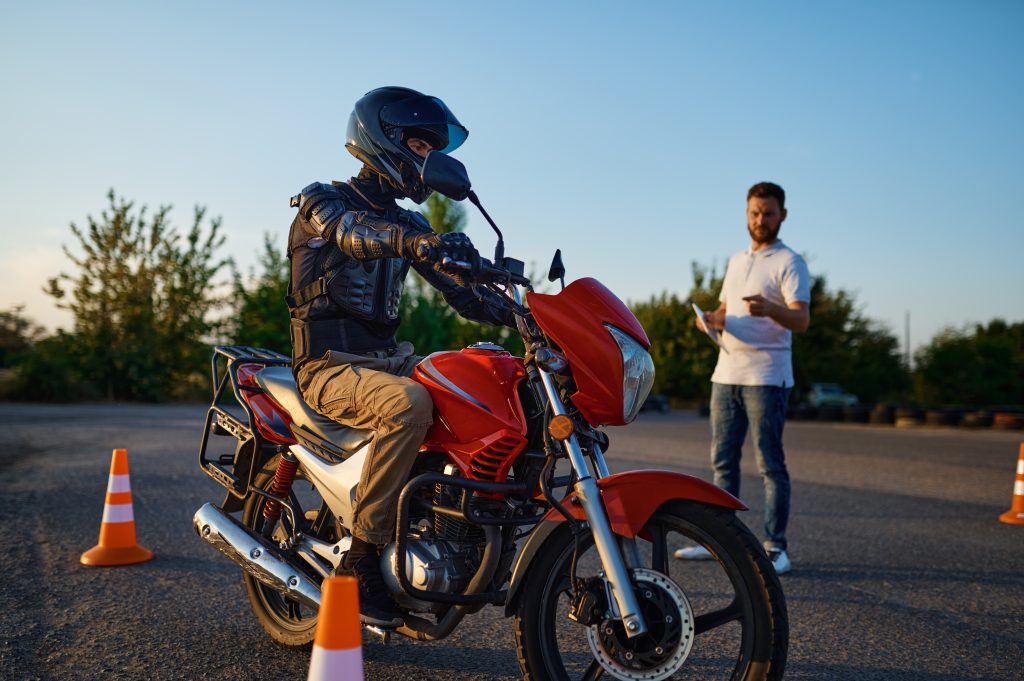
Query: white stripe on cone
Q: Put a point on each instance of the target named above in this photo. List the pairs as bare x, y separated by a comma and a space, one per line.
119, 483
1018, 487
336, 664
1020, 466
118, 513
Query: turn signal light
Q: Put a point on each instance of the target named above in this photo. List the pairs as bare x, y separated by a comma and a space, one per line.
560, 427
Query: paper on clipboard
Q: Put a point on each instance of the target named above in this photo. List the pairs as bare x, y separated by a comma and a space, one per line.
706, 328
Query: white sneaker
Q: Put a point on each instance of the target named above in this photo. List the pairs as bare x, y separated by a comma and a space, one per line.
780, 560
693, 553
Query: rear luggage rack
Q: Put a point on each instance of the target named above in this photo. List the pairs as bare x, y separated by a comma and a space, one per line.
238, 471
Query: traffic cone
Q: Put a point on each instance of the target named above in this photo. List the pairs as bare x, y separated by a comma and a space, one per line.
338, 646
117, 532
1015, 516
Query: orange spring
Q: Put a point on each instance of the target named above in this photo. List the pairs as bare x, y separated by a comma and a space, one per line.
281, 487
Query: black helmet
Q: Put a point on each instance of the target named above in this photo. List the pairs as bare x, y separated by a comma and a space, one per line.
384, 119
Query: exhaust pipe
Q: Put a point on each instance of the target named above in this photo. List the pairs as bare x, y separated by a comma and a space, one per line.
254, 554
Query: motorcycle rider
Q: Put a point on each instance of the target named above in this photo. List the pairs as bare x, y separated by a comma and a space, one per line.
350, 247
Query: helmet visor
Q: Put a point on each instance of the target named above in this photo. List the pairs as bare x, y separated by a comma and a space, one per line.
425, 117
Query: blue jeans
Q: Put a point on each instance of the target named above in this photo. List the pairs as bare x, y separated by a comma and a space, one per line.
763, 409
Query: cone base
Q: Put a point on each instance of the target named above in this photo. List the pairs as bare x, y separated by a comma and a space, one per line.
1013, 517
104, 555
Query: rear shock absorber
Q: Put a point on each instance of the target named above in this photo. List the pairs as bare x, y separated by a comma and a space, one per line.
282, 485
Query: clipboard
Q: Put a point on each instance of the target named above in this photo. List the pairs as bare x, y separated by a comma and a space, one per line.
708, 330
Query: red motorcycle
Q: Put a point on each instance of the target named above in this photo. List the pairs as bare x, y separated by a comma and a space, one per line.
511, 502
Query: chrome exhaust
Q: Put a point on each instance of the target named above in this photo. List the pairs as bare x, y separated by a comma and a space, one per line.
254, 554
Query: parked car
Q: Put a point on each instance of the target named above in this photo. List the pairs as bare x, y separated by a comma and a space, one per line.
830, 394
656, 402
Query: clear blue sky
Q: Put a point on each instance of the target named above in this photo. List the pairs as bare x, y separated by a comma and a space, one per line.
624, 133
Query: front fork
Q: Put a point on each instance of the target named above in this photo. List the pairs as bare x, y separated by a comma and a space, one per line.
589, 495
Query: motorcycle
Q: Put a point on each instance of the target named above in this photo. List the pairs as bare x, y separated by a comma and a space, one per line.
511, 502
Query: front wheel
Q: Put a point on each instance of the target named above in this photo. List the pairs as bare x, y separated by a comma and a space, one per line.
719, 619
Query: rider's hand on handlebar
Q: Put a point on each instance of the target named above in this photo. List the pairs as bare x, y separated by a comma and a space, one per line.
456, 249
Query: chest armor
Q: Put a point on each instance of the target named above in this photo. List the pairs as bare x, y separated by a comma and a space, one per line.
370, 290
326, 282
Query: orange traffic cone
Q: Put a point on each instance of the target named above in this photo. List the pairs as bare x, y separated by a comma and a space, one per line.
117, 532
338, 646
1015, 516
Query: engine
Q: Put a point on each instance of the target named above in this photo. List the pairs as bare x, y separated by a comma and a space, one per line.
442, 551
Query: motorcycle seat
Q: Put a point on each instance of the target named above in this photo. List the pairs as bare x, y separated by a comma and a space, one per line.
280, 383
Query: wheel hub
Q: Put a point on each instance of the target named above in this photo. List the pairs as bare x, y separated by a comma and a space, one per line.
663, 649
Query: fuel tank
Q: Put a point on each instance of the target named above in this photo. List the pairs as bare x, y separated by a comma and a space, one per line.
478, 419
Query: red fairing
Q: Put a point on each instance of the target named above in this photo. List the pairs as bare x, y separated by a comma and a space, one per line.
574, 319
632, 498
479, 420
273, 422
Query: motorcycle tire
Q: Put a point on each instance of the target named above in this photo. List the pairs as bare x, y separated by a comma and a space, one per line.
740, 623
287, 621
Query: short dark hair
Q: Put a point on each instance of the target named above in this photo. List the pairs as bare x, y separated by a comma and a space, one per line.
768, 190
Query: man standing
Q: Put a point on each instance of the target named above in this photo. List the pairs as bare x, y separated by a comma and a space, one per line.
765, 298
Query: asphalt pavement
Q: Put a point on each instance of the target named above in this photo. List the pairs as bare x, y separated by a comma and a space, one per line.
901, 570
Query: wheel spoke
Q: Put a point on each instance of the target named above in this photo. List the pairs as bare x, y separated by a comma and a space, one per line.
293, 610
659, 549
594, 671
716, 618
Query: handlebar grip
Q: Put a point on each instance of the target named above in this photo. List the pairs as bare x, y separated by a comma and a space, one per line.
487, 271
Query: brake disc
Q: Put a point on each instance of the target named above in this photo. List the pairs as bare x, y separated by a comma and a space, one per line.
662, 650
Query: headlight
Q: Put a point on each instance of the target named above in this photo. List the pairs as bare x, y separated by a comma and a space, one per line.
637, 373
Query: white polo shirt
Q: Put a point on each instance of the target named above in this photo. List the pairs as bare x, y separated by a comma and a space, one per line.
760, 349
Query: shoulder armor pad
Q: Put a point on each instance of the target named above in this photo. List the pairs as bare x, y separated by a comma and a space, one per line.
321, 204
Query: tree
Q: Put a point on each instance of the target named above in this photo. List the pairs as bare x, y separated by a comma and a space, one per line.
18, 334
683, 356
842, 346
428, 322
983, 366
259, 314
141, 299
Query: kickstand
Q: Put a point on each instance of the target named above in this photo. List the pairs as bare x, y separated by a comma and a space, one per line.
385, 634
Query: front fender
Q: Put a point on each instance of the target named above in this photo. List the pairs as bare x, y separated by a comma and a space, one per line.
630, 499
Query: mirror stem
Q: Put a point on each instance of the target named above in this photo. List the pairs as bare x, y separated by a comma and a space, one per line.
499, 249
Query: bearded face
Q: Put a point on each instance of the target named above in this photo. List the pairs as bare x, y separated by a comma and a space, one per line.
764, 218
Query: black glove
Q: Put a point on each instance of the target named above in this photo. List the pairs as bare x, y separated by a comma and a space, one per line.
439, 248
457, 247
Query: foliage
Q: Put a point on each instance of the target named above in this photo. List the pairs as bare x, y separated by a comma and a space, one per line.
843, 346
427, 320
259, 312
18, 334
840, 346
683, 355
979, 367
141, 299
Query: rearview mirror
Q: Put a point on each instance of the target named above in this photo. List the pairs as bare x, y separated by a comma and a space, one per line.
557, 271
446, 175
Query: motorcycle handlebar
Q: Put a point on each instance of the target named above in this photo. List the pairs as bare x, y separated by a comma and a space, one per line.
486, 272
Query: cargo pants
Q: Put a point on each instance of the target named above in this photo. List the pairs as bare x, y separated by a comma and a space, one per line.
373, 391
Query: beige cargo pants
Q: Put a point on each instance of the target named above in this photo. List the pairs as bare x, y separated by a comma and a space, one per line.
373, 392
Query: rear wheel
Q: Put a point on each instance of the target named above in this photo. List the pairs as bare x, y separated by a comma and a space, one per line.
719, 619
286, 620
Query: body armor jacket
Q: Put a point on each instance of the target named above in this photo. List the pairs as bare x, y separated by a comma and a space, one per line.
348, 268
